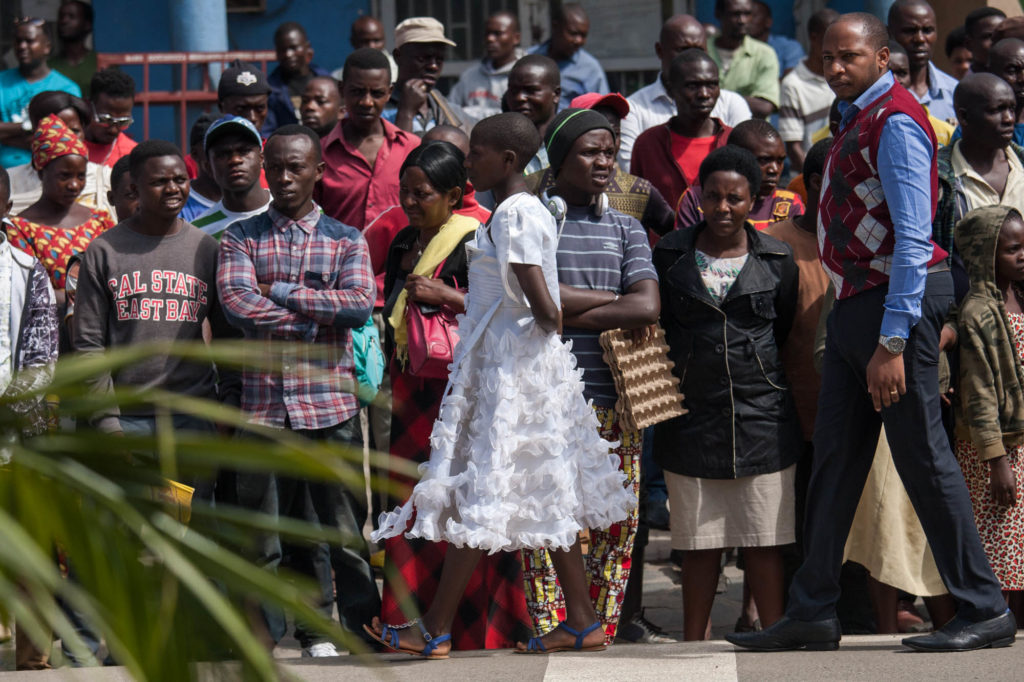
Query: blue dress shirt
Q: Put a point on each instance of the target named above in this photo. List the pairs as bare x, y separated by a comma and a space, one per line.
904, 162
939, 98
581, 73
789, 52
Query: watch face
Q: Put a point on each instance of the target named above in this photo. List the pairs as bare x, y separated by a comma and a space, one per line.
895, 345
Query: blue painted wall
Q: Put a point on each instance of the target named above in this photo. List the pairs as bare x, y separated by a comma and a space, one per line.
782, 12
132, 26
326, 21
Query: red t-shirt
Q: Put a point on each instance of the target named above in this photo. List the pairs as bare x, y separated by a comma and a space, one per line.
690, 152
108, 154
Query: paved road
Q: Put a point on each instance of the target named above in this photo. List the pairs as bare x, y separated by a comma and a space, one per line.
868, 658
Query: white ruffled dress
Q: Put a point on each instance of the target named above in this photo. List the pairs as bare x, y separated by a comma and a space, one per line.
516, 461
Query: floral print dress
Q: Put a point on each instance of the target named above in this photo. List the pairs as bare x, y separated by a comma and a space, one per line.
1001, 528
54, 246
719, 274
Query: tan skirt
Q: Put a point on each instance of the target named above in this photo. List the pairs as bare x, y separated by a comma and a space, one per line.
886, 537
753, 511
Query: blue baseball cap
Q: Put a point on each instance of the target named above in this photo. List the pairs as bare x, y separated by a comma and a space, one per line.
230, 124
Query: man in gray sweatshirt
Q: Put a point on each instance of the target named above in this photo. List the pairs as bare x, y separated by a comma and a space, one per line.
152, 278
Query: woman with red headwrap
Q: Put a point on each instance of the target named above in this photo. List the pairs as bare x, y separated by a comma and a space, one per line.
56, 227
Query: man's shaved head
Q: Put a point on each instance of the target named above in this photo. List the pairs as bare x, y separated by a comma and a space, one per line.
678, 34
561, 14
681, 24
1005, 50
820, 21
976, 89
1006, 60
367, 31
451, 134
544, 64
897, 7
509, 16
680, 65
867, 25
986, 109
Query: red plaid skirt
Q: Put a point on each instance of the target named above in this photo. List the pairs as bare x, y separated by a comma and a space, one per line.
492, 613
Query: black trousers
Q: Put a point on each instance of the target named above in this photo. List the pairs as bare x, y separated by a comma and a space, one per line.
845, 436
334, 506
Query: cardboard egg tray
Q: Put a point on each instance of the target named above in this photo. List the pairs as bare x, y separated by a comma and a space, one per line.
648, 390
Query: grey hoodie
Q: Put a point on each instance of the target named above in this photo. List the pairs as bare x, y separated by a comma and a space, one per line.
481, 87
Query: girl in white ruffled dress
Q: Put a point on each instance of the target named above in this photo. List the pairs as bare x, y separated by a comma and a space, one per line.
516, 460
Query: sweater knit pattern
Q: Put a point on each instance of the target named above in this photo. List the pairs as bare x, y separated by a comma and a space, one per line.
856, 239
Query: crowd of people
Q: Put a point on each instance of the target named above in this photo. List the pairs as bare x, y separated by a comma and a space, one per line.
832, 241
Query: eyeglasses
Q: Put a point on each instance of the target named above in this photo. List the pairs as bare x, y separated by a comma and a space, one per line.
108, 120
29, 21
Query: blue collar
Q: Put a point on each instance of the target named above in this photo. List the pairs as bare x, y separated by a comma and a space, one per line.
880, 86
545, 50
939, 82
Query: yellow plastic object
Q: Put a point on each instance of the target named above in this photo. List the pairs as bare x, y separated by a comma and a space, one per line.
178, 498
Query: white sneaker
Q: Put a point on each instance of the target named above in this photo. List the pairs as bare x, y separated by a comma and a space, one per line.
320, 650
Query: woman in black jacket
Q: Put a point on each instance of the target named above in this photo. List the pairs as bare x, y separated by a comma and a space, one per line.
728, 299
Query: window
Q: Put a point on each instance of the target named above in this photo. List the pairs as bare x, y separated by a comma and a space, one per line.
622, 37
8, 12
463, 21
246, 6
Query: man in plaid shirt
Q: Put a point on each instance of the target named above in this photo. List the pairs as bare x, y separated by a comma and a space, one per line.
292, 274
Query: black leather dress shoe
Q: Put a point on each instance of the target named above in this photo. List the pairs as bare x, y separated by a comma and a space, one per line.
960, 634
786, 635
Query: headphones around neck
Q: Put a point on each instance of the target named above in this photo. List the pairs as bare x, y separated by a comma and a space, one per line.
559, 208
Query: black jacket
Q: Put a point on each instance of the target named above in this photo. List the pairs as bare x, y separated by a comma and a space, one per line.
741, 419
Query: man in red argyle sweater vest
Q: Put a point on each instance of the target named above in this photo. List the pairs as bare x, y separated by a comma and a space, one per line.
893, 290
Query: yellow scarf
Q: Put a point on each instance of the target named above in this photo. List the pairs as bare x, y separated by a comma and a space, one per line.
439, 248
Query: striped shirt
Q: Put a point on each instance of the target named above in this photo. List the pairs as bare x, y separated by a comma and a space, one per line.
214, 220
610, 253
321, 286
806, 99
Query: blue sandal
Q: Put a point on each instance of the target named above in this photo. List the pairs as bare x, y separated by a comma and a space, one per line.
389, 638
536, 646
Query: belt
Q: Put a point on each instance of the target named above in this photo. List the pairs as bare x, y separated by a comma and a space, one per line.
941, 266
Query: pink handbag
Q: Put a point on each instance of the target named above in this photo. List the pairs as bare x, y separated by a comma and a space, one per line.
432, 337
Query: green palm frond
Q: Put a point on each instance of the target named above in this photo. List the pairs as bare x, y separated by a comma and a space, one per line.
163, 594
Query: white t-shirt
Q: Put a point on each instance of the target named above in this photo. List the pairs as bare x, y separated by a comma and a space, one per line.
216, 219
726, 57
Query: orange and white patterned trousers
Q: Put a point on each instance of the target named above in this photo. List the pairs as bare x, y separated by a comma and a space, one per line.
608, 562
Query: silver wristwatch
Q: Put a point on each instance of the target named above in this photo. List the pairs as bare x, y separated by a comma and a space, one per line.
893, 344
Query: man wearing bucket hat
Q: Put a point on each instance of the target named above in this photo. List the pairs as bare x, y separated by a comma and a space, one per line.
234, 150
416, 105
607, 282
